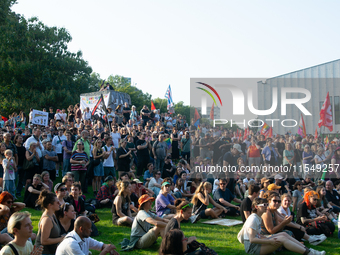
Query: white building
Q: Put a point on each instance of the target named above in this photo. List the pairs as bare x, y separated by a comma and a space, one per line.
318, 80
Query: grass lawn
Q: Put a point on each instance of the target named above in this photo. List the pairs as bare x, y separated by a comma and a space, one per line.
222, 239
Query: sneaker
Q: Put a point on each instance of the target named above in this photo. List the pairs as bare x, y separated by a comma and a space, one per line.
315, 240
335, 221
194, 218
315, 252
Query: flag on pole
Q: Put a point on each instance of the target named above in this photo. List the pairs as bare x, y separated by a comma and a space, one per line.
168, 142
152, 106
99, 111
246, 133
326, 141
302, 128
265, 130
196, 116
197, 124
212, 112
270, 135
316, 134
326, 118
168, 95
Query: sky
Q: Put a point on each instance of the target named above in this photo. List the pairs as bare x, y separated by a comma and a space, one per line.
157, 43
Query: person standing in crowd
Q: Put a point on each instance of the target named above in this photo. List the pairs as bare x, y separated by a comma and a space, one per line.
35, 139
81, 235
50, 158
126, 111
57, 144
18, 140
87, 114
254, 153
142, 154
67, 152
98, 171
109, 167
124, 158
159, 151
10, 168
11, 146
79, 162
20, 226
175, 137
269, 154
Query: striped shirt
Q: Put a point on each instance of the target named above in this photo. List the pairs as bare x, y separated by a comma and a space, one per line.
79, 156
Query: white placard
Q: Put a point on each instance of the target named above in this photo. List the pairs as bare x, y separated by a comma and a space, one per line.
40, 118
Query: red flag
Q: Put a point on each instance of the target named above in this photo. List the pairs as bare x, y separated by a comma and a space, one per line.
4, 118
212, 112
271, 132
246, 133
316, 134
326, 118
196, 116
152, 106
237, 134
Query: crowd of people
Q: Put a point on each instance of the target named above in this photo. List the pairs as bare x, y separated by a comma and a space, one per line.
155, 171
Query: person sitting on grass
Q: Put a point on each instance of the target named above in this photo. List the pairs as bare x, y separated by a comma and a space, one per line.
155, 183
121, 212
323, 206
171, 244
165, 202
68, 179
79, 241
76, 199
255, 243
273, 222
45, 176
142, 235
201, 201
265, 182
245, 207
33, 191
223, 196
66, 216
60, 190
20, 225
107, 192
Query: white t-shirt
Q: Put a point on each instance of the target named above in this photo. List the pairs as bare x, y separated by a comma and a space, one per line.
27, 249
63, 116
57, 142
115, 139
253, 222
153, 182
109, 161
283, 211
9, 173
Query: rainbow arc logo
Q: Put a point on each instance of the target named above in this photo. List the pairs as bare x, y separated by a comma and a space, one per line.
204, 99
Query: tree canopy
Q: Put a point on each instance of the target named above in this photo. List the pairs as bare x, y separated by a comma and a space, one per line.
37, 70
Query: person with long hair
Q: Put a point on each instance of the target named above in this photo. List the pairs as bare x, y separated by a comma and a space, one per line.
49, 230
79, 162
66, 216
307, 213
32, 155
255, 243
45, 175
201, 201
98, 170
121, 213
7, 208
123, 156
265, 182
171, 244
323, 206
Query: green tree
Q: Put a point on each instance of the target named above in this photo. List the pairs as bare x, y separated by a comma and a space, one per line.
37, 70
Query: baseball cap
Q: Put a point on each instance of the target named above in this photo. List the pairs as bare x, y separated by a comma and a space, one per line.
237, 147
278, 177
57, 186
165, 183
137, 181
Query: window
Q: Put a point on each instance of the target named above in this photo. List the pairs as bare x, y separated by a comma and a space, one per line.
336, 110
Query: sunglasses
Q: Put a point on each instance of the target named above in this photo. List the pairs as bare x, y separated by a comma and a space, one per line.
264, 205
276, 201
223, 184
314, 199
188, 205
9, 202
63, 189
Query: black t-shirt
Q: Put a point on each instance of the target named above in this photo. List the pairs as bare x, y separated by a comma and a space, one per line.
143, 152
280, 147
304, 212
134, 199
65, 231
232, 160
172, 224
51, 115
21, 155
261, 143
144, 117
168, 171
30, 198
334, 198
126, 115
245, 206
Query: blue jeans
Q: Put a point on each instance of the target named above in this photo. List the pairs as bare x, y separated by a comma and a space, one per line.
186, 156
160, 164
66, 166
21, 179
9, 185
336, 209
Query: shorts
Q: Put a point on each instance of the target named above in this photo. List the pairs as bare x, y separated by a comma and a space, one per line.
203, 215
146, 240
60, 157
109, 171
98, 170
252, 248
